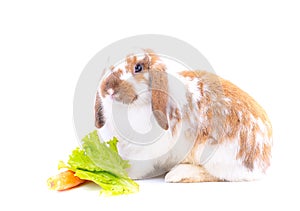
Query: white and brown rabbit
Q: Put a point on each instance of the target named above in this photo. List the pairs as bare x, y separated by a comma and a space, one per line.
230, 134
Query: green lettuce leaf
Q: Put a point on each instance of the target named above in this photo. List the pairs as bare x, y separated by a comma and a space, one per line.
113, 144
104, 155
79, 160
100, 162
111, 185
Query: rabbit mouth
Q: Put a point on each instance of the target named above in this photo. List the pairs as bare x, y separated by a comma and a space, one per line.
124, 98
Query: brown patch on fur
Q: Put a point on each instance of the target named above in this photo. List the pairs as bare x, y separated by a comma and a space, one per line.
201, 88
202, 137
140, 78
111, 82
189, 74
99, 118
232, 119
265, 157
159, 96
243, 142
249, 151
217, 95
269, 128
118, 73
154, 58
209, 114
189, 98
131, 61
158, 83
148, 62
123, 91
226, 110
175, 117
251, 157
246, 102
145, 62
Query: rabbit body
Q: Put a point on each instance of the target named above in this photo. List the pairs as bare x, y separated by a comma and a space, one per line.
229, 132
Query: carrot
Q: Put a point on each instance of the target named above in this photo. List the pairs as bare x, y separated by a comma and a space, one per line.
63, 181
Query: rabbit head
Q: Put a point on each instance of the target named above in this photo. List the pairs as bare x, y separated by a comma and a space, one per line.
143, 80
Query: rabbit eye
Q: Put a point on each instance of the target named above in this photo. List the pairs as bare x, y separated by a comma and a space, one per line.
138, 68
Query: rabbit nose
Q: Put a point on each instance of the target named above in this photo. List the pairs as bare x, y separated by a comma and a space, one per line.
110, 91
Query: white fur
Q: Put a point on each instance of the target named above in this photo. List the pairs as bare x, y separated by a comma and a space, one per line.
177, 90
132, 151
107, 131
125, 75
240, 114
224, 164
142, 89
226, 99
184, 171
220, 160
141, 121
110, 91
193, 87
139, 118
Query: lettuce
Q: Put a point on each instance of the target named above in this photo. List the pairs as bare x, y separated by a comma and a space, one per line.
104, 155
111, 184
100, 162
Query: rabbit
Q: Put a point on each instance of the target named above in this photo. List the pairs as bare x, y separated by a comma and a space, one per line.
229, 133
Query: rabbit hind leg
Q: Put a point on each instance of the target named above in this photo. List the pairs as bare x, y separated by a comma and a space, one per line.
189, 173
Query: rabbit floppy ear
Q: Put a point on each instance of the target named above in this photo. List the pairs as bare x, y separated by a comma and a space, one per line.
159, 94
99, 117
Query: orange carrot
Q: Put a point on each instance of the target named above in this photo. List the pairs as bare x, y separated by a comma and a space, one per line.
63, 181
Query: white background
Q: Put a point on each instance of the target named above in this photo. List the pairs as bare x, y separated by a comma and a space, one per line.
44, 46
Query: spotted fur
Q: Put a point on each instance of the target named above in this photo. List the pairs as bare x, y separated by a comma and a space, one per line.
221, 117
